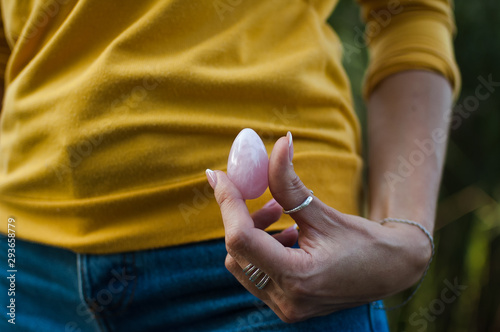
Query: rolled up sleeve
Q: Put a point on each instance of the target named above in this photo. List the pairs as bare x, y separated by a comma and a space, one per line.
409, 35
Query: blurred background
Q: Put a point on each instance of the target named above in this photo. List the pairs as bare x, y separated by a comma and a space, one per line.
462, 289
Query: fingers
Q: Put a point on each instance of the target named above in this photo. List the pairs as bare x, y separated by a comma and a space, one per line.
287, 188
268, 294
269, 214
244, 242
243, 277
288, 237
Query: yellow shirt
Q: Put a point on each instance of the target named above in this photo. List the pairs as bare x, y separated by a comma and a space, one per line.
114, 109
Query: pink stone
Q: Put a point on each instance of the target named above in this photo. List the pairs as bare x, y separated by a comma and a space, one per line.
248, 163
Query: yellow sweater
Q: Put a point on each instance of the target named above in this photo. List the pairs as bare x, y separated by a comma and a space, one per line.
114, 109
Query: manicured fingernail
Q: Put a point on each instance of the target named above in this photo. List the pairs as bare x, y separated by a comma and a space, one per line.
212, 177
290, 147
272, 202
295, 226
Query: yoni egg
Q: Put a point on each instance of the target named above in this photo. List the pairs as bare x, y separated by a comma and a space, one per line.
248, 163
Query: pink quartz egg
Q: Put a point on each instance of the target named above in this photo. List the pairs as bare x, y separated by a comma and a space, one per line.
248, 163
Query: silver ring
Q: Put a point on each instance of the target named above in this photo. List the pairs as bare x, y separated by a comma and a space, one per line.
255, 273
300, 207
263, 282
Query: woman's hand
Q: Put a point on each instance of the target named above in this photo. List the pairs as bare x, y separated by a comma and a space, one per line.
343, 260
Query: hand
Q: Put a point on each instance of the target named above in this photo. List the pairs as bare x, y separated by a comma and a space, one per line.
343, 260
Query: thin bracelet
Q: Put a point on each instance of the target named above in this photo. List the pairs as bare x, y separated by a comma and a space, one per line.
422, 228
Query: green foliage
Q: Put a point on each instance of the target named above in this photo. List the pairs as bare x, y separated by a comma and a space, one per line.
468, 221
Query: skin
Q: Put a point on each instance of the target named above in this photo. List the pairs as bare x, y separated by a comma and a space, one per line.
346, 260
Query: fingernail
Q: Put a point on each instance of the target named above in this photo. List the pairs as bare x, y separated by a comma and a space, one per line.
290, 147
272, 202
288, 230
295, 226
212, 177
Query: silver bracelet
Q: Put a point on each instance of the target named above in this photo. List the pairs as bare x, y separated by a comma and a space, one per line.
423, 229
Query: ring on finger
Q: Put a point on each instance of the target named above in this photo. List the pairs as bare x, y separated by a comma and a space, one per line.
254, 273
305, 203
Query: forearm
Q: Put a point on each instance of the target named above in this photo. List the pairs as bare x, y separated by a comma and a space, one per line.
407, 131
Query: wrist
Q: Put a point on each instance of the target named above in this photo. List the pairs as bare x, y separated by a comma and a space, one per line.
411, 257
415, 249
392, 209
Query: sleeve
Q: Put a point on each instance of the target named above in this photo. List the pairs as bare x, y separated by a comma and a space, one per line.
409, 34
4, 57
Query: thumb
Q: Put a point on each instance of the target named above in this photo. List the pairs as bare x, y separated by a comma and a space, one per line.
287, 188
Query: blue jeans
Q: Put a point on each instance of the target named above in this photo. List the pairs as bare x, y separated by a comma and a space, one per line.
184, 288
